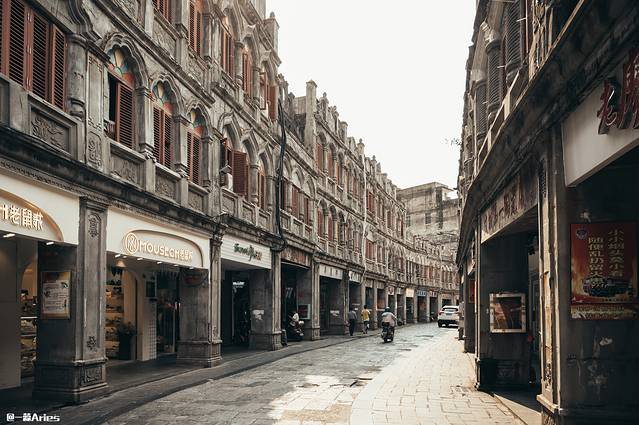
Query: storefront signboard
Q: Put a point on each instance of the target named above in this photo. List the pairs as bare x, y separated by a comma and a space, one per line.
245, 252
400, 291
508, 312
390, 290
604, 126
330, 271
604, 271
162, 247
422, 293
410, 293
354, 276
294, 255
56, 288
194, 277
511, 203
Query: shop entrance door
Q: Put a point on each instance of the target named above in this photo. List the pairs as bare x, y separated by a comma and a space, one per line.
324, 311
433, 308
167, 313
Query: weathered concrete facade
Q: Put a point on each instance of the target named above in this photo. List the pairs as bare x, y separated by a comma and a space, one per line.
145, 168
547, 253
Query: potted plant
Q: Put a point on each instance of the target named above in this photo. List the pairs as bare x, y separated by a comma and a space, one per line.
125, 331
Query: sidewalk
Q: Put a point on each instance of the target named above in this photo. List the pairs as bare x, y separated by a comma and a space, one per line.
440, 391
133, 384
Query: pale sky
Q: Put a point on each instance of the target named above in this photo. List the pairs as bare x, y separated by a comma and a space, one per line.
394, 69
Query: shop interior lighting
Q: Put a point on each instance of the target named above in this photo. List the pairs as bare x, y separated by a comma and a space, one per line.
117, 255
124, 256
9, 235
139, 258
49, 243
176, 265
191, 268
159, 262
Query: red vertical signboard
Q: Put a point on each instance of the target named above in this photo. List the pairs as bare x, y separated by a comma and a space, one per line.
604, 271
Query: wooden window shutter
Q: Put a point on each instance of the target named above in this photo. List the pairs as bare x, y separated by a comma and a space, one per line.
167, 159
18, 21
282, 195
58, 61
307, 210
272, 112
2, 26
192, 25
240, 176
223, 48
319, 222
157, 134
262, 189
124, 114
295, 202
198, 31
196, 159
39, 58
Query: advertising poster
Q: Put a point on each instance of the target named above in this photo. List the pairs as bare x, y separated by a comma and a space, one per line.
56, 295
508, 313
604, 271
304, 311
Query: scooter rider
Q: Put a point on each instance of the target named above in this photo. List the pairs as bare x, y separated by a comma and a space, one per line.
390, 318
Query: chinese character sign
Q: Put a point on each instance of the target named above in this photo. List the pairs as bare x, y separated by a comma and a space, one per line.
604, 271
620, 102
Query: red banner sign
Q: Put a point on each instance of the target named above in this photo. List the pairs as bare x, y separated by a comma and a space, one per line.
604, 271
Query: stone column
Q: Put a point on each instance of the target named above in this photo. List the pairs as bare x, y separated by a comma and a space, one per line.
338, 298
144, 130
315, 300
270, 192
254, 183
362, 297
415, 313
266, 298
74, 371
200, 315
239, 47
374, 324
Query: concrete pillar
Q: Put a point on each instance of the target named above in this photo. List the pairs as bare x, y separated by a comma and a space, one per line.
254, 195
374, 310
362, 297
338, 299
74, 371
266, 306
414, 306
200, 315
306, 295
315, 300
76, 71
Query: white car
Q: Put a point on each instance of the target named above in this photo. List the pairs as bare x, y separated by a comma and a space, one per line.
448, 315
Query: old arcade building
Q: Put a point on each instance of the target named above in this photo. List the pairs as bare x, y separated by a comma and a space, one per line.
548, 185
139, 196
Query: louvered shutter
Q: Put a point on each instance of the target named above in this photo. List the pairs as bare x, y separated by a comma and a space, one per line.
320, 222
192, 25
17, 42
124, 123
198, 32
239, 173
223, 49
157, 134
39, 59
197, 155
295, 202
2, 26
272, 112
166, 142
58, 60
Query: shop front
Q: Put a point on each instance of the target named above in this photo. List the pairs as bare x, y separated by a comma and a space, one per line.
400, 310
297, 291
411, 306
356, 295
250, 298
433, 304
36, 222
422, 305
155, 273
334, 289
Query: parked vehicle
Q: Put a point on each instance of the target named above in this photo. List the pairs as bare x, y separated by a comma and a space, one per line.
388, 332
448, 315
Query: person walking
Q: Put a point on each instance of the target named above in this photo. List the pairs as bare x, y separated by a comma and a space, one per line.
366, 317
352, 320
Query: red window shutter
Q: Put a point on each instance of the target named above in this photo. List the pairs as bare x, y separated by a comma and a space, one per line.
39, 64
262, 189
189, 155
223, 48
272, 112
239, 173
157, 134
124, 123
198, 32
58, 62
2, 26
197, 155
320, 222
167, 142
295, 202
330, 229
192, 25
17, 42
307, 210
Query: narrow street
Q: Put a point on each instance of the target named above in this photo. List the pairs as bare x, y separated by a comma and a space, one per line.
421, 378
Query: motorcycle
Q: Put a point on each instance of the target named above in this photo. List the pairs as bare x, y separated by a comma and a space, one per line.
294, 330
388, 332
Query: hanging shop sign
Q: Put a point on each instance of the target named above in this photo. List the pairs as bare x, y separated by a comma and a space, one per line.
33, 211
604, 126
604, 271
56, 288
296, 256
422, 293
410, 293
330, 271
245, 252
511, 203
508, 312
